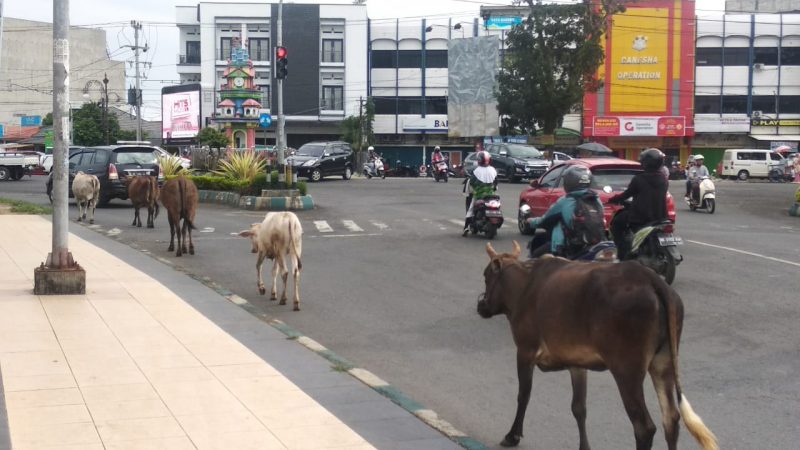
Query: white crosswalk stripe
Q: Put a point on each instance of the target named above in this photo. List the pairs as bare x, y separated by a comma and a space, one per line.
350, 225
322, 226
380, 225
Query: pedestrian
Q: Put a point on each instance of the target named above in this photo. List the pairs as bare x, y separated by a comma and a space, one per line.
796, 168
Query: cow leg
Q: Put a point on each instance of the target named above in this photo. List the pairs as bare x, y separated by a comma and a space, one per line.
150, 216
172, 228
632, 392
80, 210
191, 244
273, 294
579, 403
259, 265
93, 205
284, 278
135, 216
184, 232
180, 248
662, 372
525, 378
296, 276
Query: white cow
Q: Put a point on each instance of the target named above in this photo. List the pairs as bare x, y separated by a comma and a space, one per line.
86, 190
279, 235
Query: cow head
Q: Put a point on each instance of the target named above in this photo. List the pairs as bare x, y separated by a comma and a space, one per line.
252, 233
491, 302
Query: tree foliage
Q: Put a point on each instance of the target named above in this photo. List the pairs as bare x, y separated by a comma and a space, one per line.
358, 130
87, 126
550, 61
213, 138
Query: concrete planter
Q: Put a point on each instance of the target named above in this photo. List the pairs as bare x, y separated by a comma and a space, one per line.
270, 200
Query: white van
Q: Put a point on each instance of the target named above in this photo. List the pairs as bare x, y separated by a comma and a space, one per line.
743, 163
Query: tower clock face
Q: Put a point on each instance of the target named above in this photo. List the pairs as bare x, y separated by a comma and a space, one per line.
238, 82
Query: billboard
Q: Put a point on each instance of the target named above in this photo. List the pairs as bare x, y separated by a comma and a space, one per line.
639, 126
472, 78
180, 114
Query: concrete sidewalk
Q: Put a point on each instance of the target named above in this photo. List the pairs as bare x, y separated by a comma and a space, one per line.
152, 359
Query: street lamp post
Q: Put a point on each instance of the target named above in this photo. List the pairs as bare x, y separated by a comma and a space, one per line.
103, 101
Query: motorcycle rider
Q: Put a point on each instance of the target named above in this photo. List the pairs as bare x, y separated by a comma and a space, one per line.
649, 192
558, 219
437, 156
694, 174
482, 183
372, 157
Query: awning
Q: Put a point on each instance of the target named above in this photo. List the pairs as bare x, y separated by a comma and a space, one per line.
776, 137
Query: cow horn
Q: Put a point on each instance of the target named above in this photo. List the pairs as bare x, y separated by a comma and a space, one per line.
517, 249
490, 251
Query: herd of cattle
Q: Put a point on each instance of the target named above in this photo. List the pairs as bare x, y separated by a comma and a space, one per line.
279, 236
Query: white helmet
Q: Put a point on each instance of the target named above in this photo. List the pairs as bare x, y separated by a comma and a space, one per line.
696, 157
436, 149
371, 149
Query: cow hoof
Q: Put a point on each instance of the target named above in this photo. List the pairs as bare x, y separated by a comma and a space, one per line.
510, 440
191, 250
91, 221
171, 248
296, 308
150, 226
282, 302
79, 219
178, 254
273, 297
262, 290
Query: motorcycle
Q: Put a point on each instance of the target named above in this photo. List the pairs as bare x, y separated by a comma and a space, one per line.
487, 216
656, 247
374, 168
440, 170
705, 197
604, 251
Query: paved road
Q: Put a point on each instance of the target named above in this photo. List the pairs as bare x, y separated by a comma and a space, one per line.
395, 290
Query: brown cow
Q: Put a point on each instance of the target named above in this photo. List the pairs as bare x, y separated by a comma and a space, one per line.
179, 196
577, 316
143, 192
279, 236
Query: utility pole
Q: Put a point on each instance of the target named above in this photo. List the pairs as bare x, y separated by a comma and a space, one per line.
137, 26
105, 106
60, 274
280, 138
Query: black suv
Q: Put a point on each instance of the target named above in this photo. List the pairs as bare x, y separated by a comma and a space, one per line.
516, 161
112, 164
317, 160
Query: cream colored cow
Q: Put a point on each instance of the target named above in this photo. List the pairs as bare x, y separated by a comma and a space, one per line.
86, 190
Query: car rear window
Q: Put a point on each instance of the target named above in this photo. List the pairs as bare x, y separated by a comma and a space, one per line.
618, 179
524, 151
136, 157
311, 150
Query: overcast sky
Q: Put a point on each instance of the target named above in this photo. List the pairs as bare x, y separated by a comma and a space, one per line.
161, 35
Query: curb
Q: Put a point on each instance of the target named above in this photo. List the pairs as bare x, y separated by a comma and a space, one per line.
254, 203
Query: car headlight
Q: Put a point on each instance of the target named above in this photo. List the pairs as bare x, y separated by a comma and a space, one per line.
309, 163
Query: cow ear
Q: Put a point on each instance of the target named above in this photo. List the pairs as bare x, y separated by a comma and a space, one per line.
490, 251
245, 233
517, 250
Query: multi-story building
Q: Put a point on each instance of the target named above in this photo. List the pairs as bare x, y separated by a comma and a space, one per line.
747, 82
26, 71
327, 54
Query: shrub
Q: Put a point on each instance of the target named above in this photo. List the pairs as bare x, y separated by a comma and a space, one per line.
244, 165
302, 186
217, 183
172, 166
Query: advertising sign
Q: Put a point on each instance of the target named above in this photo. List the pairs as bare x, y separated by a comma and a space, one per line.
180, 113
502, 23
30, 121
639, 126
764, 122
721, 124
429, 124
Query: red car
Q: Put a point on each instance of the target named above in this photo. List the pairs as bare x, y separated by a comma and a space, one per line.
612, 172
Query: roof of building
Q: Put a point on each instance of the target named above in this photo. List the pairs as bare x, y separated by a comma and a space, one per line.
251, 102
227, 102
14, 133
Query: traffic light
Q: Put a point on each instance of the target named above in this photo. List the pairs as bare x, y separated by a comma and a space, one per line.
281, 62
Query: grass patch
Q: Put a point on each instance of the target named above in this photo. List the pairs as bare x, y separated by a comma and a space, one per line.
21, 207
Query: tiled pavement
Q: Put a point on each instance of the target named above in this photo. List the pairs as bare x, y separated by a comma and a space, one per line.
152, 359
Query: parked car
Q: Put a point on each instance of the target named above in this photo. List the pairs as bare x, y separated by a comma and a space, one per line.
515, 162
607, 172
746, 163
317, 160
112, 164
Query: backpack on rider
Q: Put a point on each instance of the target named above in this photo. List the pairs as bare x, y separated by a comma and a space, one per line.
588, 225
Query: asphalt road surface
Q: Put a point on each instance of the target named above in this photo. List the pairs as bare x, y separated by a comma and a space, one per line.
389, 284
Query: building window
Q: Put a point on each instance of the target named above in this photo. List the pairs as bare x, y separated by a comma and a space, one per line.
385, 105
265, 96
709, 56
409, 105
764, 103
789, 104
436, 59
734, 104
225, 48
765, 55
332, 50
192, 52
384, 59
259, 49
332, 98
790, 56
706, 104
409, 59
435, 105
736, 56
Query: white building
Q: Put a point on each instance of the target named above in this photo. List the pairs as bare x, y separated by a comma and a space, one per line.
747, 81
26, 70
327, 54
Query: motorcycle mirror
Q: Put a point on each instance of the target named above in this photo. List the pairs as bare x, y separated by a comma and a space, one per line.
607, 189
534, 183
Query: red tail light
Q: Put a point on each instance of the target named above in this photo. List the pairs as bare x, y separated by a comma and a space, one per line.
669, 228
112, 172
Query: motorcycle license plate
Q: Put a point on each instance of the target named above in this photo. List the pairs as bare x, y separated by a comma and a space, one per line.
493, 213
668, 240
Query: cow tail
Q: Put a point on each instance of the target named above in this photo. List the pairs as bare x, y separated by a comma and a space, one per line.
184, 214
154, 195
294, 229
704, 436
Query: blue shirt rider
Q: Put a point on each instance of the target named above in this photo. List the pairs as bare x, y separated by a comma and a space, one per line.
577, 182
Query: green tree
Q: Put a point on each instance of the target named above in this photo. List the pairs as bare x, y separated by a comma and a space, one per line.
358, 130
48, 120
213, 138
551, 60
87, 127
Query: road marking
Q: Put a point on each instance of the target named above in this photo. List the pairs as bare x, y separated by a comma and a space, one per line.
207, 230
348, 235
113, 232
457, 222
758, 255
322, 226
380, 225
350, 225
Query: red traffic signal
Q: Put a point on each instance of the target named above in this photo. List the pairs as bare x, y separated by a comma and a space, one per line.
281, 53
281, 61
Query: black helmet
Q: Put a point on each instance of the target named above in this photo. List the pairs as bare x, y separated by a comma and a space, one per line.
651, 159
577, 177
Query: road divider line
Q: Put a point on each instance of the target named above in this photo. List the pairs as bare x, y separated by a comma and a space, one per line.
350, 225
736, 250
349, 235
322, 226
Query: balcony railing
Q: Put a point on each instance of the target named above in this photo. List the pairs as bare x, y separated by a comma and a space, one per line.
330, 104
188, 59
